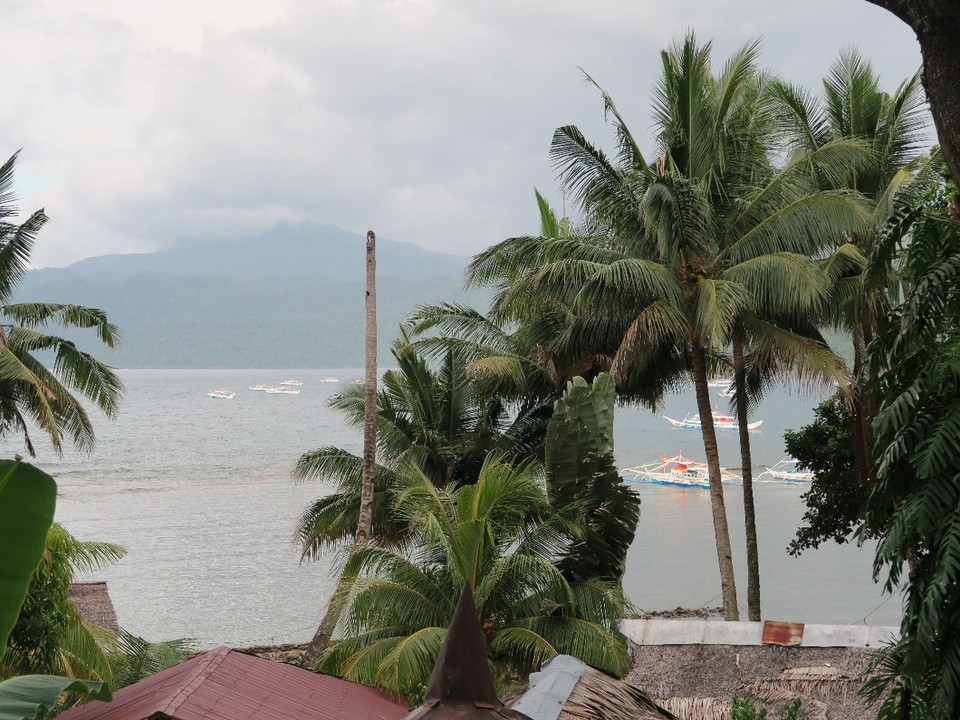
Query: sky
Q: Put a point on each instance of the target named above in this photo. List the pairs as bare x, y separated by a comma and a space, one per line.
429, 121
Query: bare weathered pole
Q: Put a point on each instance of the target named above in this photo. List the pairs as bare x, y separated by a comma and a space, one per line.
365, 524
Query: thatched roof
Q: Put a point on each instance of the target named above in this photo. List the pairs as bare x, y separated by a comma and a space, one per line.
92, 600
699, 681
567, 689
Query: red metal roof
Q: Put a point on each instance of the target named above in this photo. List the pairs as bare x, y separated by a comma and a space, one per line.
224, 684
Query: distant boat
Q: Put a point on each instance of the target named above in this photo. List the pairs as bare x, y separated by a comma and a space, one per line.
721, 421
677, 470
222, 394
329, 379
262, 388
720, 382
786, 471
728, 392
282, 391
292, 382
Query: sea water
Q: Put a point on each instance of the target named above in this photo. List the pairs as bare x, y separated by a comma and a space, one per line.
199, 492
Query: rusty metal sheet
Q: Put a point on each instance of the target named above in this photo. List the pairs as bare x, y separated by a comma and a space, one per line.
782, 633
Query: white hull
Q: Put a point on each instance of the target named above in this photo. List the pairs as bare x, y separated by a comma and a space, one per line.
222, 394
693, 423
786, 471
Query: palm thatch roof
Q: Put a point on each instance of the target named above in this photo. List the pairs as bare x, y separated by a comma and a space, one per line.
92, 600
567, 689
700, 681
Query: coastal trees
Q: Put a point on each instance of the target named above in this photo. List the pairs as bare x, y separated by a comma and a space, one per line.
681, 252
500, 536
889, 126
29, 391
915, 359
49, 635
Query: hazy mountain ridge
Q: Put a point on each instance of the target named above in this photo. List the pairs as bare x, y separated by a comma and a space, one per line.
291, 297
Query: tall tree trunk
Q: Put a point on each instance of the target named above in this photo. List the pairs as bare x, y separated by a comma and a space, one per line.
321, 638
937, 25
728, 583
862, 415
365, 524
746, 463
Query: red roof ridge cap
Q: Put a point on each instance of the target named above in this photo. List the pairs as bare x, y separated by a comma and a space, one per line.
209, 662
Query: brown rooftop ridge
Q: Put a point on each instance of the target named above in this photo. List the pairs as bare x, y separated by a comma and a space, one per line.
224, 684
461, 687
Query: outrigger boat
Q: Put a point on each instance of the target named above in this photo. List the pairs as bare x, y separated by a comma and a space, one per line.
222, 394
721, 421
677, 470
720, 382
786, 471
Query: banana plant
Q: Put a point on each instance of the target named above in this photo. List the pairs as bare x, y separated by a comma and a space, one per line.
28, 498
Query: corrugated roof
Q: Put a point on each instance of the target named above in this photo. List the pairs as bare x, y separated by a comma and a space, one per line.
224, 684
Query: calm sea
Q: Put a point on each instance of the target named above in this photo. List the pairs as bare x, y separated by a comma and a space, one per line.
199, 492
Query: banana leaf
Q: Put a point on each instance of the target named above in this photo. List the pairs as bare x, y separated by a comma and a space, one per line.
33, 696
28, 497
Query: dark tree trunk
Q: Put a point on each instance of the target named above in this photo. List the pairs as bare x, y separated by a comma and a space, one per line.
365, 524
937, 25
746, 463
728, 583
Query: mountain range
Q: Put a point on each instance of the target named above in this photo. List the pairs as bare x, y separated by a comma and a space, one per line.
292, 297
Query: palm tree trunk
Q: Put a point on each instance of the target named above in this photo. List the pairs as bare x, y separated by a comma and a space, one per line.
862, 415
728, 583
321, 638
746, 463
365, 524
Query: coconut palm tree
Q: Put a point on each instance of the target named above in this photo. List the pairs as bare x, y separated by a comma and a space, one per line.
681, 250
441, 420
498, 535
29, 391
891, 127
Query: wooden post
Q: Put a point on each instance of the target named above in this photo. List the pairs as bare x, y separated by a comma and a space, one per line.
365, 524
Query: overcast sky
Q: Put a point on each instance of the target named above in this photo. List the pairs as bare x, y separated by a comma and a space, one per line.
427, 120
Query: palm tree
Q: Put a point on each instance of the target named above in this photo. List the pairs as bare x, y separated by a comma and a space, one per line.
50, 637
497, 535
890, 126
29, 391
443, 421
681, 249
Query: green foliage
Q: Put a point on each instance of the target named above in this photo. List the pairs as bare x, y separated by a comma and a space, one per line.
745, 708
583, 481
442, 420
28, 497
916, 359
37, 697
50, 636
835, 502
27, 502
29, 390
132, 658
500, 536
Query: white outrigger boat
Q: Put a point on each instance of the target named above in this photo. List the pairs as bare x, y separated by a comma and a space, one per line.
292, 382
282, 391
329, 379
721, 421
720, 382
261, 388
222, 394
677, 470
786, 471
